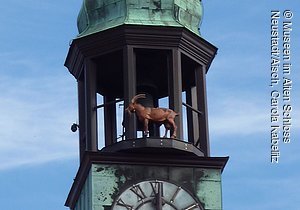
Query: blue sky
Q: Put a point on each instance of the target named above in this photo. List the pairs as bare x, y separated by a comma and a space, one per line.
38, 103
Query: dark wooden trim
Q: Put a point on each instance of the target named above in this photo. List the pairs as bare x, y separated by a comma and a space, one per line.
191, 122
175, 87
110, 124
154, 146
139, 36
78, 183
82, 123
129, 63
90, 104
75, 61
198, 49
202, 106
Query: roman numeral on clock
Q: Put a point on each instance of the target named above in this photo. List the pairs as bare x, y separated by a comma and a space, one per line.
175, 194
136, 189
156, 187
120, 202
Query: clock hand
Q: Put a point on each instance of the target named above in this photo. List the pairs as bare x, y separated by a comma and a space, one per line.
158, 197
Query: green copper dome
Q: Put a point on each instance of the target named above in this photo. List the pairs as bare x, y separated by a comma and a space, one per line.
99, 15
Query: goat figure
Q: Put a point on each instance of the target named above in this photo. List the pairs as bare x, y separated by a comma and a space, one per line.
157, 115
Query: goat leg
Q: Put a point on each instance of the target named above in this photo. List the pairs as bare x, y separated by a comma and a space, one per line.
146, 130
167, 128
174, 128
166, 132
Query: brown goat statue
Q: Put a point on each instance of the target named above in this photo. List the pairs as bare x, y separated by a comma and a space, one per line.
157, 115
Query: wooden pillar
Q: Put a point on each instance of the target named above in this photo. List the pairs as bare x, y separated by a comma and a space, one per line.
202, 106
129, 71
81, 111
175, 88
110, 124
90, 106
192, 116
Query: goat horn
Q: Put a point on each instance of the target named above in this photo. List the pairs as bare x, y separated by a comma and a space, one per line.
133, 100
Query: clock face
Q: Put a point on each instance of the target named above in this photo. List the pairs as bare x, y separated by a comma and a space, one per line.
156, 195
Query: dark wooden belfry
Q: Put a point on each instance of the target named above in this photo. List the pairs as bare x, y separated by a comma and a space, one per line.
121, 62
152, 48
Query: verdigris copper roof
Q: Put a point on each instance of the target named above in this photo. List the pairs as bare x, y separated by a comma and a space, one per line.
99, 15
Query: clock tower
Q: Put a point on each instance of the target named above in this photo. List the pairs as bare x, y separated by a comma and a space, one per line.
153, 48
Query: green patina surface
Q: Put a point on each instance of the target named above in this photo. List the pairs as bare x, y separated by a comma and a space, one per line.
85, 200
104, 182
99, 15
209, 189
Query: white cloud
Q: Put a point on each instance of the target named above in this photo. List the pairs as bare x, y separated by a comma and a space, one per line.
36, 112
237, 116
245, 113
